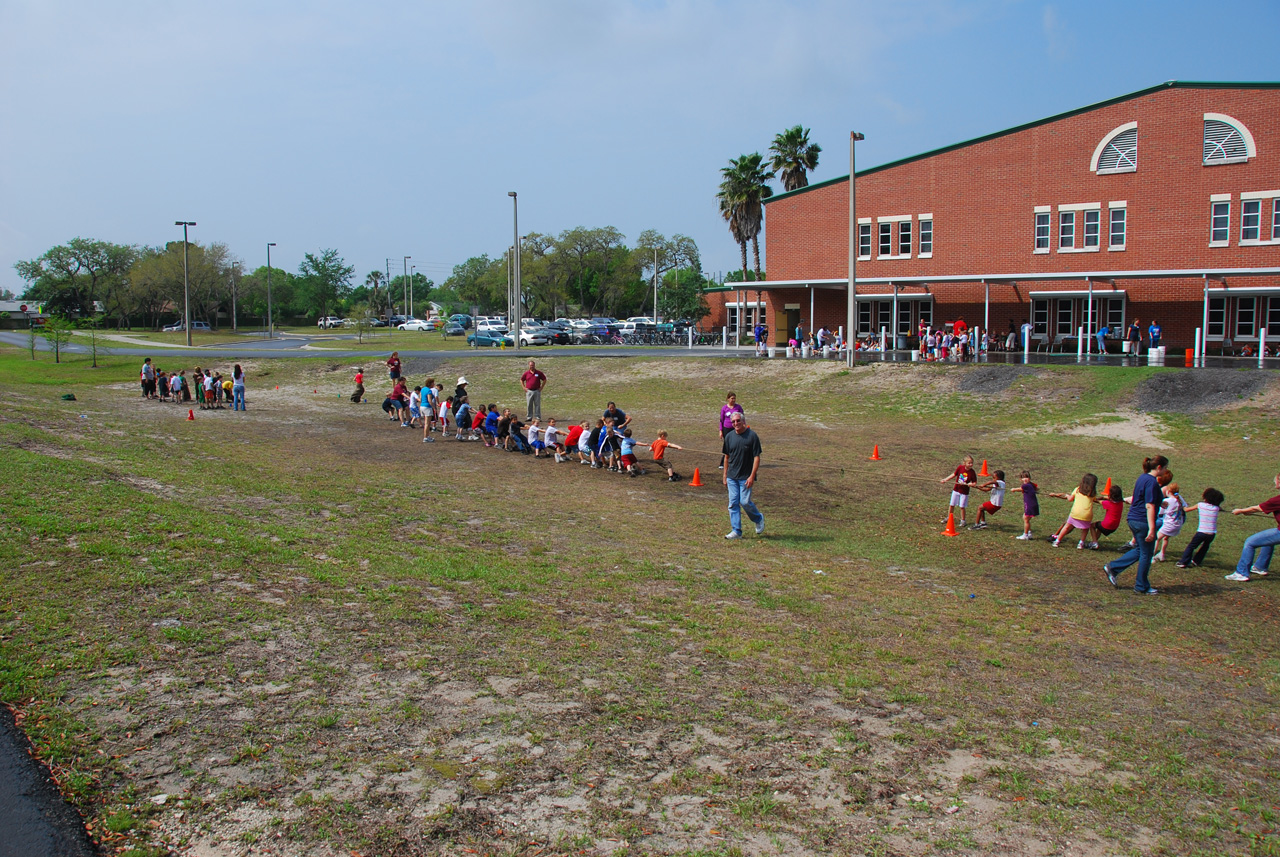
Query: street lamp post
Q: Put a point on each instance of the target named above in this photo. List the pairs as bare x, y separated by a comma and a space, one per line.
270, 327
851, 310
186, 279
519, 311
408, 306
412, 270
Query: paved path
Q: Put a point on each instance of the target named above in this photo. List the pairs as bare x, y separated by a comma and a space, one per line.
34, 819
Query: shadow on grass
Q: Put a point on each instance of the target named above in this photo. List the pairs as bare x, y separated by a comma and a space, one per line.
1196, 590
800, 538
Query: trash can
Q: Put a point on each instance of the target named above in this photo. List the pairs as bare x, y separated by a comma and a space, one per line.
902, 342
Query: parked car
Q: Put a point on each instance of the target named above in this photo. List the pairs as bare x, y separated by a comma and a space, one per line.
463, 320
452, 328
557, 334
196, 327
530, 335
417, 324
610, 323
491, 327
585, 332
397, 320
488, 339
327, 322
641, 319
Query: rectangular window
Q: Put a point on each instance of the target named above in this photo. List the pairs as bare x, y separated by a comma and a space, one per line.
1064, 326
1092, 228
733, 318
1115, 315
864, 318
1217, 317
925, 312
904, 318
1119, 228
1220, 229
904, 238
884, 316
1066, 230
1246, 311
1250, 219
864, 240
1042, 232
1275, 219
926, 235
1040, 317
886, 239
1273, 317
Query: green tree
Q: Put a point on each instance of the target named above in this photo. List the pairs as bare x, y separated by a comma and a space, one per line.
793, 157
326, 280
655, 256
71, 277
743, 190
682, 295
57, 331
158, 286
480, 281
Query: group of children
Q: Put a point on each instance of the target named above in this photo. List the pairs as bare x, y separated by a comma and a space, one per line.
206, 387
608, 444
1083, 519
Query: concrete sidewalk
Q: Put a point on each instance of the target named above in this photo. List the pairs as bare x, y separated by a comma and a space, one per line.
34, 819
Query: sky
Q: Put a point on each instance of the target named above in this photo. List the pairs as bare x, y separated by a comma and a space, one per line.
392, 129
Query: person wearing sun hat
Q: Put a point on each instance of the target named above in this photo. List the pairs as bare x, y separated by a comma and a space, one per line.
459, 396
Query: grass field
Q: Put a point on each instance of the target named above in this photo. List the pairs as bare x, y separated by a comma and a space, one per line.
300, 630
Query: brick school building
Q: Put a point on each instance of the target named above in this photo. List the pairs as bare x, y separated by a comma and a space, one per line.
1162, 205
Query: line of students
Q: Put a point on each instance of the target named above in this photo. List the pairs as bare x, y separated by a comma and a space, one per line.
607, 445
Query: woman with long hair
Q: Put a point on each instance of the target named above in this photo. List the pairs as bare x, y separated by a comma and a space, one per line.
1147, 497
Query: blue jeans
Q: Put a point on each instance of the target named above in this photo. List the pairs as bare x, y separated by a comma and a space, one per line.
238, 400
1261, 543
739, 499
1140, 553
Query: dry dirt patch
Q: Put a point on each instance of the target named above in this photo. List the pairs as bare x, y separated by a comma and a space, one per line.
1199, 390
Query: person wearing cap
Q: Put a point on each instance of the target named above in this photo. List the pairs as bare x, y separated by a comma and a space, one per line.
459, 396
533, 381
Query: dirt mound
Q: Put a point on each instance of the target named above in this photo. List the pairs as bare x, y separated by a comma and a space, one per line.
1193, 390
990, 380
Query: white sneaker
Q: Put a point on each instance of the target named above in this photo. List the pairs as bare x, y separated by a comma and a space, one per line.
1079, 546
734, 536
760, 528
1025, 537
1254, 571
1235, 575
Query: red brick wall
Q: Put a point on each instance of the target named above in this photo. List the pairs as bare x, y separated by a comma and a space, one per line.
982, 198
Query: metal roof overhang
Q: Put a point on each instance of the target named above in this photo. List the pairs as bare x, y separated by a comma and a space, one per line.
997, 279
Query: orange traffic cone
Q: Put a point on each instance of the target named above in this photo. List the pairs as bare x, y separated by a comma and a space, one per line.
984, 468
951, 525
697, 479
191, 415
875, 453
277, 386
1106, 492
315, 391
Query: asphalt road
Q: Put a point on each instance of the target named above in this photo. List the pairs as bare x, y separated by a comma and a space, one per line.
34, 819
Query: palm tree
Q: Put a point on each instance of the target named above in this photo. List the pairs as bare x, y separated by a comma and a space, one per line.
794, 156
374, 280
742, 193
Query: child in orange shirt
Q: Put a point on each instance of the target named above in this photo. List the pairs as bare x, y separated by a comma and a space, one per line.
660, 447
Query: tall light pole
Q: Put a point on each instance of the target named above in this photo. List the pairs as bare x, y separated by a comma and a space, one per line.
186, 279
412, 269
270, 327
850, 336
406, 285
519, 309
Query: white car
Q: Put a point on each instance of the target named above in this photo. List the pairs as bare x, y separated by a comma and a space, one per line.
417, 324
329, 322
531, 335
491, 327
641, 319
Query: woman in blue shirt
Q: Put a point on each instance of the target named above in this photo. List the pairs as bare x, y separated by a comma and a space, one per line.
1142, 522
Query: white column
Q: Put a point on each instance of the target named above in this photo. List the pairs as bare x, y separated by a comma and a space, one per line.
1204, 320
1089, 317
1197, 356
690, 332
1026, 345
1079, 343
1262, 343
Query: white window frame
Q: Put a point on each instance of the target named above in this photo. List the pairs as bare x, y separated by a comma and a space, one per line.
1252, 331
1094, 214
905, 238
886, 240
864, 318
1121, 208
1131, 167
1217, 318
864, 238
1223, 202
894, 222
1250, 148
1268, 202
925, 239
1250, 221
1066, 230
1040, 317
1043, 221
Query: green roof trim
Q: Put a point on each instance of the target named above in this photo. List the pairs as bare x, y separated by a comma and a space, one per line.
1168, 84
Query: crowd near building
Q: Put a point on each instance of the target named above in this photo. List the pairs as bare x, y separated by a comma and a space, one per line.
1161, 205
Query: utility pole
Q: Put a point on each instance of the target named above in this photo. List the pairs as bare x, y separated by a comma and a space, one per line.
408, 306
270, 328
186, 279
515, 226
391, 304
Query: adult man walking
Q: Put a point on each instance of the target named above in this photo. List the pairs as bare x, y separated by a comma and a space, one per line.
741, 464
533, 381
